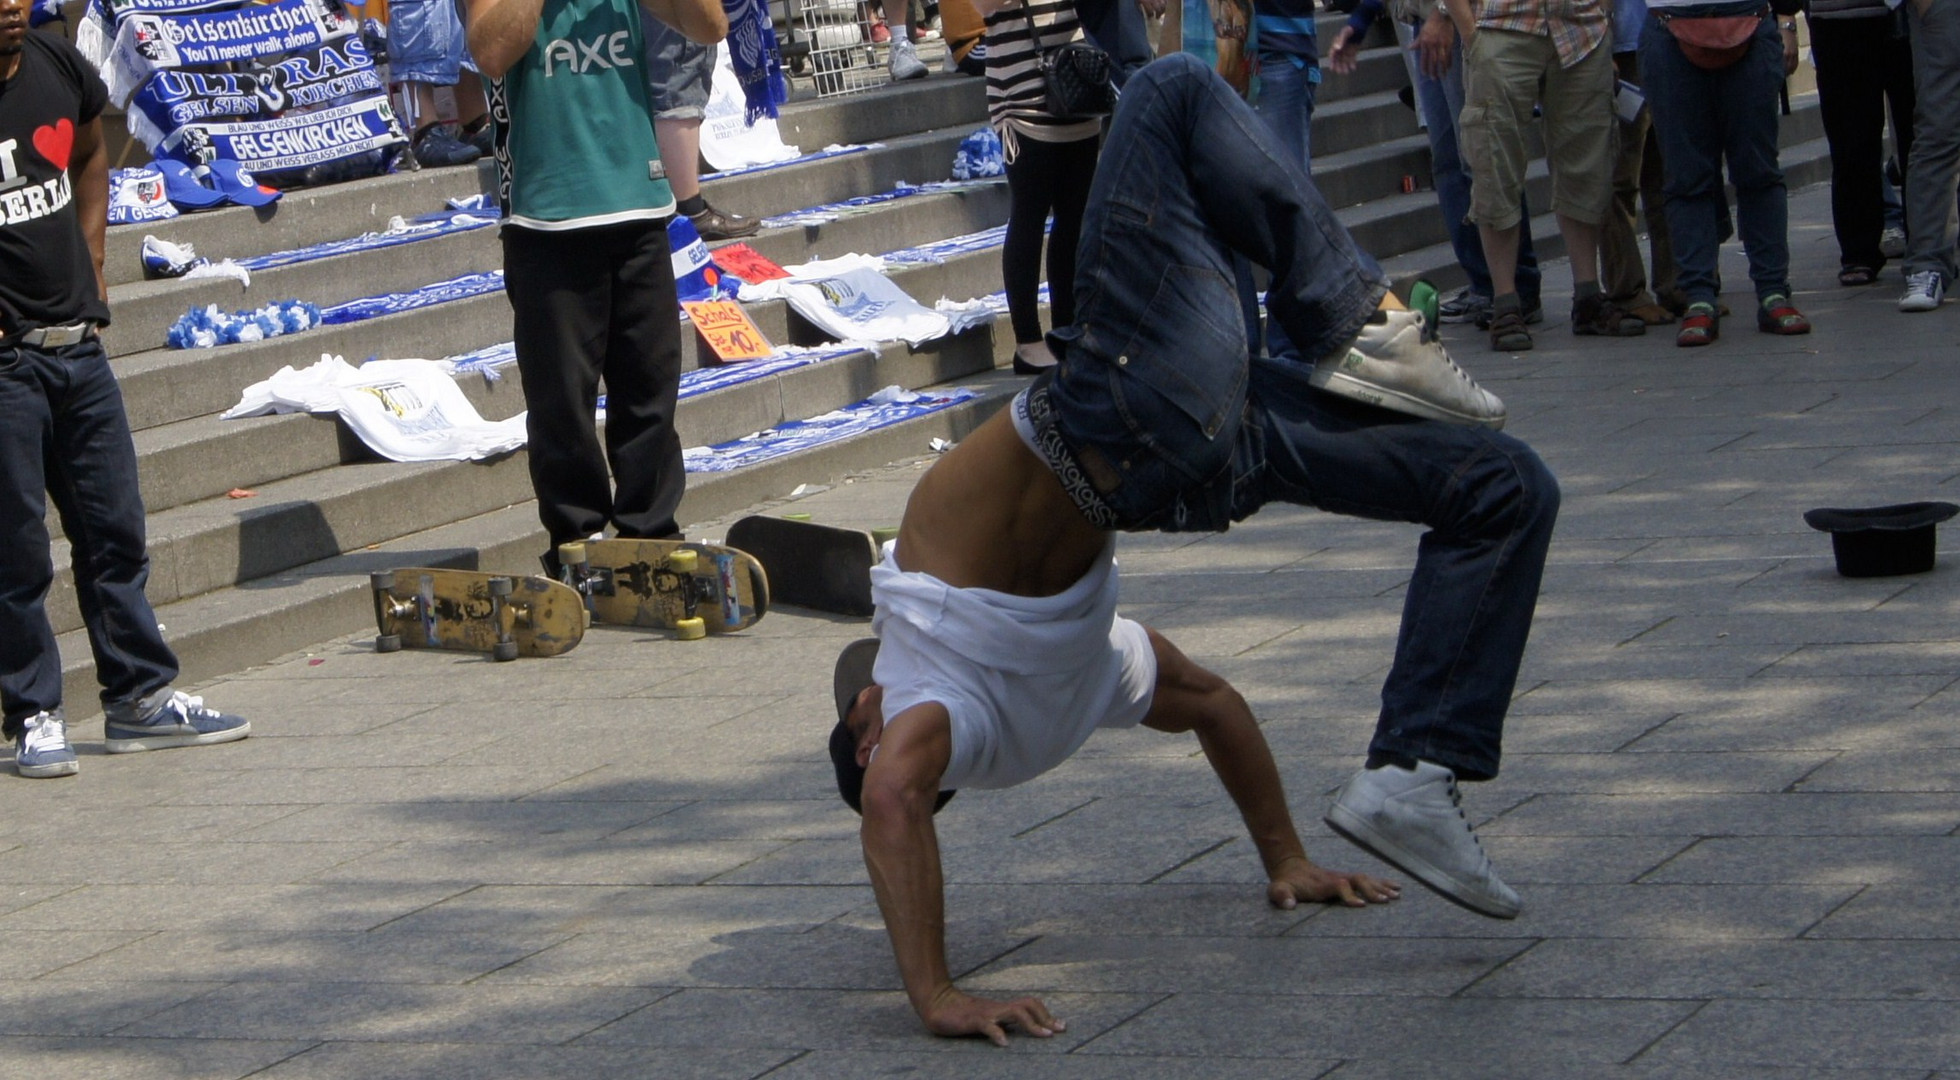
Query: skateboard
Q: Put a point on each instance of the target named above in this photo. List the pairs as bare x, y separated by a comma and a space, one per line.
692, 589
430, 608
814, 566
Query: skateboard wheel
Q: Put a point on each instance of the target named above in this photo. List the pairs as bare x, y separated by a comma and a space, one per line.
500, 586
388, 643
504, 650
683, 561
571, 553
690, 629
382, 580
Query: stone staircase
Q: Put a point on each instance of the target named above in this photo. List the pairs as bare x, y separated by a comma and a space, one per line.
240, 581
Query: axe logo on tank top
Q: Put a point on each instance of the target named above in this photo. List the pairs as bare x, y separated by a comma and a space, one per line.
613, 50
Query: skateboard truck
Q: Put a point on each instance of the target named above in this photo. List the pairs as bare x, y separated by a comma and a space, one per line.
389, 610
674, 574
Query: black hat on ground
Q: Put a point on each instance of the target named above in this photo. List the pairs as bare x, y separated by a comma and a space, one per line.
853, 674
1883, 541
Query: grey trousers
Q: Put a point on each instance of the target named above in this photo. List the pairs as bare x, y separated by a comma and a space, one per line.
1932, 219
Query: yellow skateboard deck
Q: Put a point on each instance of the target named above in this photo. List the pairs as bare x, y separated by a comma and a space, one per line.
692, 589
471, 611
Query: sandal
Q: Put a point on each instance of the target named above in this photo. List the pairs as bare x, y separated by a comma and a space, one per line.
1700, 325
1778, 316
1508, 333
1854, 276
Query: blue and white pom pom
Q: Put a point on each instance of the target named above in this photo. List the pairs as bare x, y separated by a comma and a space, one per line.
208, 327
979, 155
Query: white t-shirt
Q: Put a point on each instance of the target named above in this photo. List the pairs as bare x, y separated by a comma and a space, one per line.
1025, 679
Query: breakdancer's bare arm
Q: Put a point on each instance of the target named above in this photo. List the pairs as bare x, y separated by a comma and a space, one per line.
901, 850
1189, 698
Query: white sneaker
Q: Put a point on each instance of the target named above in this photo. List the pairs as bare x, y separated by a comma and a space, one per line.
905, 62
1415, 820
1924, 291
1892, 242
1394, 365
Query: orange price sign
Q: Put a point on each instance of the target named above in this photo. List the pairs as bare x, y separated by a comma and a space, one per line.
727, 329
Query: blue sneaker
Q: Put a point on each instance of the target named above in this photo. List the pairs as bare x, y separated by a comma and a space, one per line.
42, 749
182, 720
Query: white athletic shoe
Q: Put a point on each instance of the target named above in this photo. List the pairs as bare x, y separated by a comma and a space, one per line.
1892, 242
1924, 291
1394, 364
1415, 820
905, 62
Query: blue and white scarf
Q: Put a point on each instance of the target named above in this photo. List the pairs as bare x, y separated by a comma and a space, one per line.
147, 43
327, 75
95, 35
882, 409
758, 61
289, 142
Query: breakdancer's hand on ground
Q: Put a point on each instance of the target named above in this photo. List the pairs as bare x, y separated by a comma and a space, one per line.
1297, 881
952, 1012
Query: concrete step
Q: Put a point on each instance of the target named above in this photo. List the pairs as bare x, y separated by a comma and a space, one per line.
231, 629
145, 310
169, 386
300, 218
348, 499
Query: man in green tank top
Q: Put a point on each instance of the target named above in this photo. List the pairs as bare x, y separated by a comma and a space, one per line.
586, 263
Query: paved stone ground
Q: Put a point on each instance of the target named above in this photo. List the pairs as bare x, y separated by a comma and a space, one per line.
1731, 801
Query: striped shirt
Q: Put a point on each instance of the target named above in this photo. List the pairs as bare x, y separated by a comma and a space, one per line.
1285, 28
1576, 27
1017, 94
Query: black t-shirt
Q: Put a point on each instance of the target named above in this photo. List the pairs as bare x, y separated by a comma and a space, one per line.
47, 276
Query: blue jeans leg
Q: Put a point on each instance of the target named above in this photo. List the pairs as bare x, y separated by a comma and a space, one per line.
1703, 117
62, 428
1490, 505
1154, 370
1441, 102
1286, 97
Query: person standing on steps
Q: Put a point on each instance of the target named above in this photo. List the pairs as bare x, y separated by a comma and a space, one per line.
1051, 161
999, 652
586, 260
63, 432
680, 74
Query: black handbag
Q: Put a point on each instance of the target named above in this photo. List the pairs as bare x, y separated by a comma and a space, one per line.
1076, 77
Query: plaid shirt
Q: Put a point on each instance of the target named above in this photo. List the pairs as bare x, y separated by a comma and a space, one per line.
1576, 27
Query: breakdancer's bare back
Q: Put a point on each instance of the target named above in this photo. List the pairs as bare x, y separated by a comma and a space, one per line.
991, 515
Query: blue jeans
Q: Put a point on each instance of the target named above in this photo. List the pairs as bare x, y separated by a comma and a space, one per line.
1703, 117
1117, 28
1286, 95
1164, 414
426, 42
1441, 102
63, 432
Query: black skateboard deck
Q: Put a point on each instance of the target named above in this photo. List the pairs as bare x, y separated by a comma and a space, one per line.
815, 566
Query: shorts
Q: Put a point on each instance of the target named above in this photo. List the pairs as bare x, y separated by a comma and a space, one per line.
679, 73
1504, 69
426, 42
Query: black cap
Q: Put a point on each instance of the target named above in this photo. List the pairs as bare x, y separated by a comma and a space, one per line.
852, 675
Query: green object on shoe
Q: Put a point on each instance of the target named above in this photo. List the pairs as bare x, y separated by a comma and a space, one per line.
1424, 298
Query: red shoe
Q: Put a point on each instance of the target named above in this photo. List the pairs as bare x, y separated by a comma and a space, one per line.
1700, 325
1778, 316
880, 33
